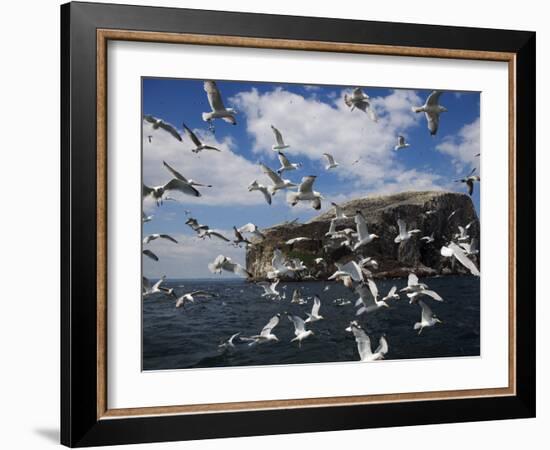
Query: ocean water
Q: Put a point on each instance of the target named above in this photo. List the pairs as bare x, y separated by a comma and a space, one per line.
189, 337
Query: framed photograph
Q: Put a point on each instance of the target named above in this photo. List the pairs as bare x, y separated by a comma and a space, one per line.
277, 224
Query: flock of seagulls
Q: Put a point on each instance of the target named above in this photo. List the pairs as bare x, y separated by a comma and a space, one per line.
355, 274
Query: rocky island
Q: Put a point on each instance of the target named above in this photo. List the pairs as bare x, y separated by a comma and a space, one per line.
436, 213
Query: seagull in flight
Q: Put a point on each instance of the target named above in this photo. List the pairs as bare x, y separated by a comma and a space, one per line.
239, 238
190, 297
360, 100
363, 235
414, 289
314, 316
469, 181
364, 346
351, 269
145, 218
428, 239
195, 225
209, 233
229, 343
225, 263
199, 146
266, 335
470, 248
432, 109
152, 237
278, 182
427, 318
331, 163
364, 299
253, 230
255, 186
401, 143
148, 289
286, 164
306, 193
297, 297
279, 265
452, 249
219, 111
280, 141
270, 289
299, 329
174, 184
404, 235
392, 294
338, 211
159, 123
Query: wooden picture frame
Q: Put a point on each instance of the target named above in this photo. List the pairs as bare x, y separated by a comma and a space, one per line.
86, 418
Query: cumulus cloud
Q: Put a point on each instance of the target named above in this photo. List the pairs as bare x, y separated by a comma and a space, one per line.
463, 146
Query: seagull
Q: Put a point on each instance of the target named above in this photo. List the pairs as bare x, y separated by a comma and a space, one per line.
190, 297
427, 318
286, 164
461, 236
331, 163
280, 142
225, 263
469, 181
305, 193
252, 229
270, 289
145, 218
392, 295
255, 186
159, 123
471, 248
401, 143
297, 297
360, 100
239, 238
279, 265
229, 343
458, 252
219, 111
266, 334
415, 289
338, 211
173, 185
195, 226
368, 261
147, 289
364, 345
431, 109
368, 306
299, 329
351, 325
278, 182
363, 235
199, 146
428, 239
404, 235
152, 237
314, 316
150, 254
350, 269
210, 233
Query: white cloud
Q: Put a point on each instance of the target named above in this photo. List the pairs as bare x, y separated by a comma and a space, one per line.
462, 147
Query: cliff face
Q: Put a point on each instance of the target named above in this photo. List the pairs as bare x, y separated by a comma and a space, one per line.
381, 214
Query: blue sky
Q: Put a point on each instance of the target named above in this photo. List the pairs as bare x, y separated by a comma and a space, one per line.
313, 120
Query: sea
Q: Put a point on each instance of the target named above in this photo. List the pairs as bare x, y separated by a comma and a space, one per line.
189, 337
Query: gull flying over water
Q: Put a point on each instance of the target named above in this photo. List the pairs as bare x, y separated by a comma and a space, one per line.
225, 263
152, 237
174, 184
332, 164
469, 181
148, 289
415, 289
432, 109
159, 123
360, 100
452, 249
299, 329
404, 235
270, 289
364, 346
280, 141
392, 294
255, 186
470, 248
363, 235
278, 182
314, 316
219, 111
401, 143
297, 297
279, 265
266, 335
350, 269
199, 146
364, 299
427, 318
229, 343
286, 164
306, 193
190, 297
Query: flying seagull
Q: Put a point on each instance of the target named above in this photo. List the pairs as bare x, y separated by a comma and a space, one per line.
428, 239
252, 229
270, 289
229, 343
297, 297
209, 233
225, 263
159, 123
360, 100
414, 289
152, 237
145, 218
239, 238
404, 235
401, 143
368, 306
148, 289
279, 266
195, 225
266, 335
331, 163
219, 111
469, 181
255, 186
363, 235
299, 329
364, 345
190, 297
179, 176
280, 141
306, 193
199, 146
286, 164
278, 182
174, 184
338, 211
314, 316
432, 109
458, 252
427, 318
